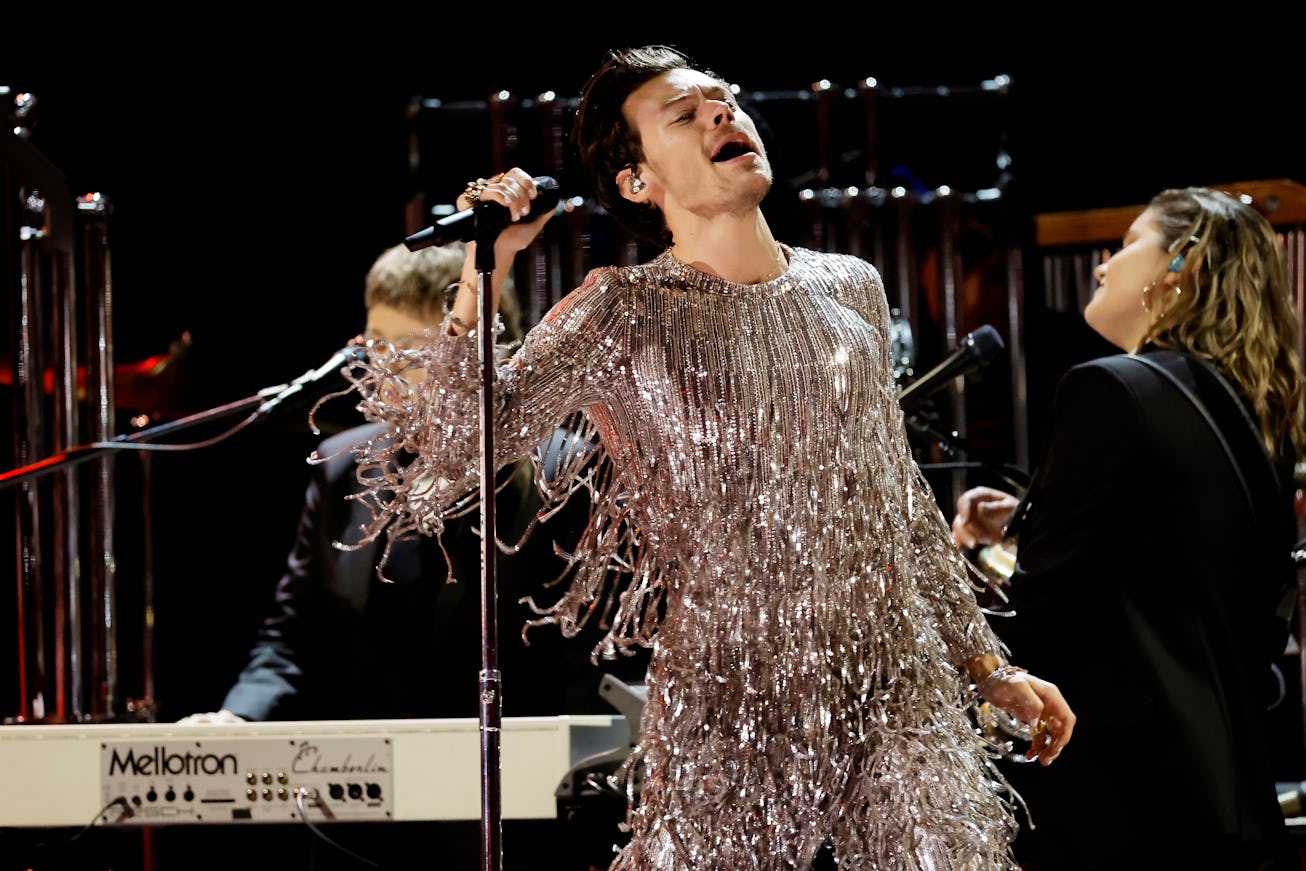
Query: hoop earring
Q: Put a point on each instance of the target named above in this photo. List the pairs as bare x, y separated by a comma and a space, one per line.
1178, 291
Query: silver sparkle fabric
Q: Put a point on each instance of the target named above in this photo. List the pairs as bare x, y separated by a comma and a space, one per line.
759, 521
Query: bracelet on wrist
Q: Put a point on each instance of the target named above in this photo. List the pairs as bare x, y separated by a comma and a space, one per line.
1002, 672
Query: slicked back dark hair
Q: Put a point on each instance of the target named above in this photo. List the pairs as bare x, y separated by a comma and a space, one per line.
606, 144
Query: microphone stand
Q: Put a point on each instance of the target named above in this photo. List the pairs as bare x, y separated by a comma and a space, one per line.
491, 681
954, 446
81, 453
949, 442
259, 406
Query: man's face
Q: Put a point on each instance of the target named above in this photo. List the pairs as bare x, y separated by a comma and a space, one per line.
398, 327
402, 329
702, 154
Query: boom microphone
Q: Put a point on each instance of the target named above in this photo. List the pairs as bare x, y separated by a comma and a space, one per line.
975, 351
352, 353
494, 216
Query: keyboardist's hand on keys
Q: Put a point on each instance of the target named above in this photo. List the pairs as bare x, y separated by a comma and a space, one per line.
213, 718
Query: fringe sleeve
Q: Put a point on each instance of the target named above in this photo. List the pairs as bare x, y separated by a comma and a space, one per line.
425, 468
943, 575
950, 581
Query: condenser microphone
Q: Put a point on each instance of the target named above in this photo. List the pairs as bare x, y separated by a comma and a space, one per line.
463, 226
975, 351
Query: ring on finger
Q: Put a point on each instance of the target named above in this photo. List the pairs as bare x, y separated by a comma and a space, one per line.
474, 190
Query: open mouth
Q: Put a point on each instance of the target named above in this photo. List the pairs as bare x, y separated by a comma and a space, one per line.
731, 150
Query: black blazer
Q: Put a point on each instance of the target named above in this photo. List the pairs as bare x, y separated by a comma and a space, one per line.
1146, 590
340, 643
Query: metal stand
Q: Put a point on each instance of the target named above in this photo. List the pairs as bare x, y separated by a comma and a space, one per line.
491, 681
82, 453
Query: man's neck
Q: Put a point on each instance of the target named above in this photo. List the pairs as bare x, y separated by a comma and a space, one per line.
739, 249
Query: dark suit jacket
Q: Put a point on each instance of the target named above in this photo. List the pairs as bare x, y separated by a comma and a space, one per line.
340, 643
1146, 590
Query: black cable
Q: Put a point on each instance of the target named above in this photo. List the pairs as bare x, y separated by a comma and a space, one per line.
300, 795
127, 812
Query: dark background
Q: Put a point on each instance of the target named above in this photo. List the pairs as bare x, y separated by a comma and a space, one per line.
254, 172
253, 176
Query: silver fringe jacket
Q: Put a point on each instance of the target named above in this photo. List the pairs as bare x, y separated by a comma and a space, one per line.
758, 521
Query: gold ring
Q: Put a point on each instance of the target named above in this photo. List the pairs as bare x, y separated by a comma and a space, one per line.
1040, 727
474, 190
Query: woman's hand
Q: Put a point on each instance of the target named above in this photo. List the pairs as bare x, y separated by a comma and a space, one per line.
1034, 701
982, 513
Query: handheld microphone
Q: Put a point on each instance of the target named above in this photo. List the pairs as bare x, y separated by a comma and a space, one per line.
975, 351
462, 226
351, 353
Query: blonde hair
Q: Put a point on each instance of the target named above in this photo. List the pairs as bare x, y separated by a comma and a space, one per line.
1234, 308
423, 283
